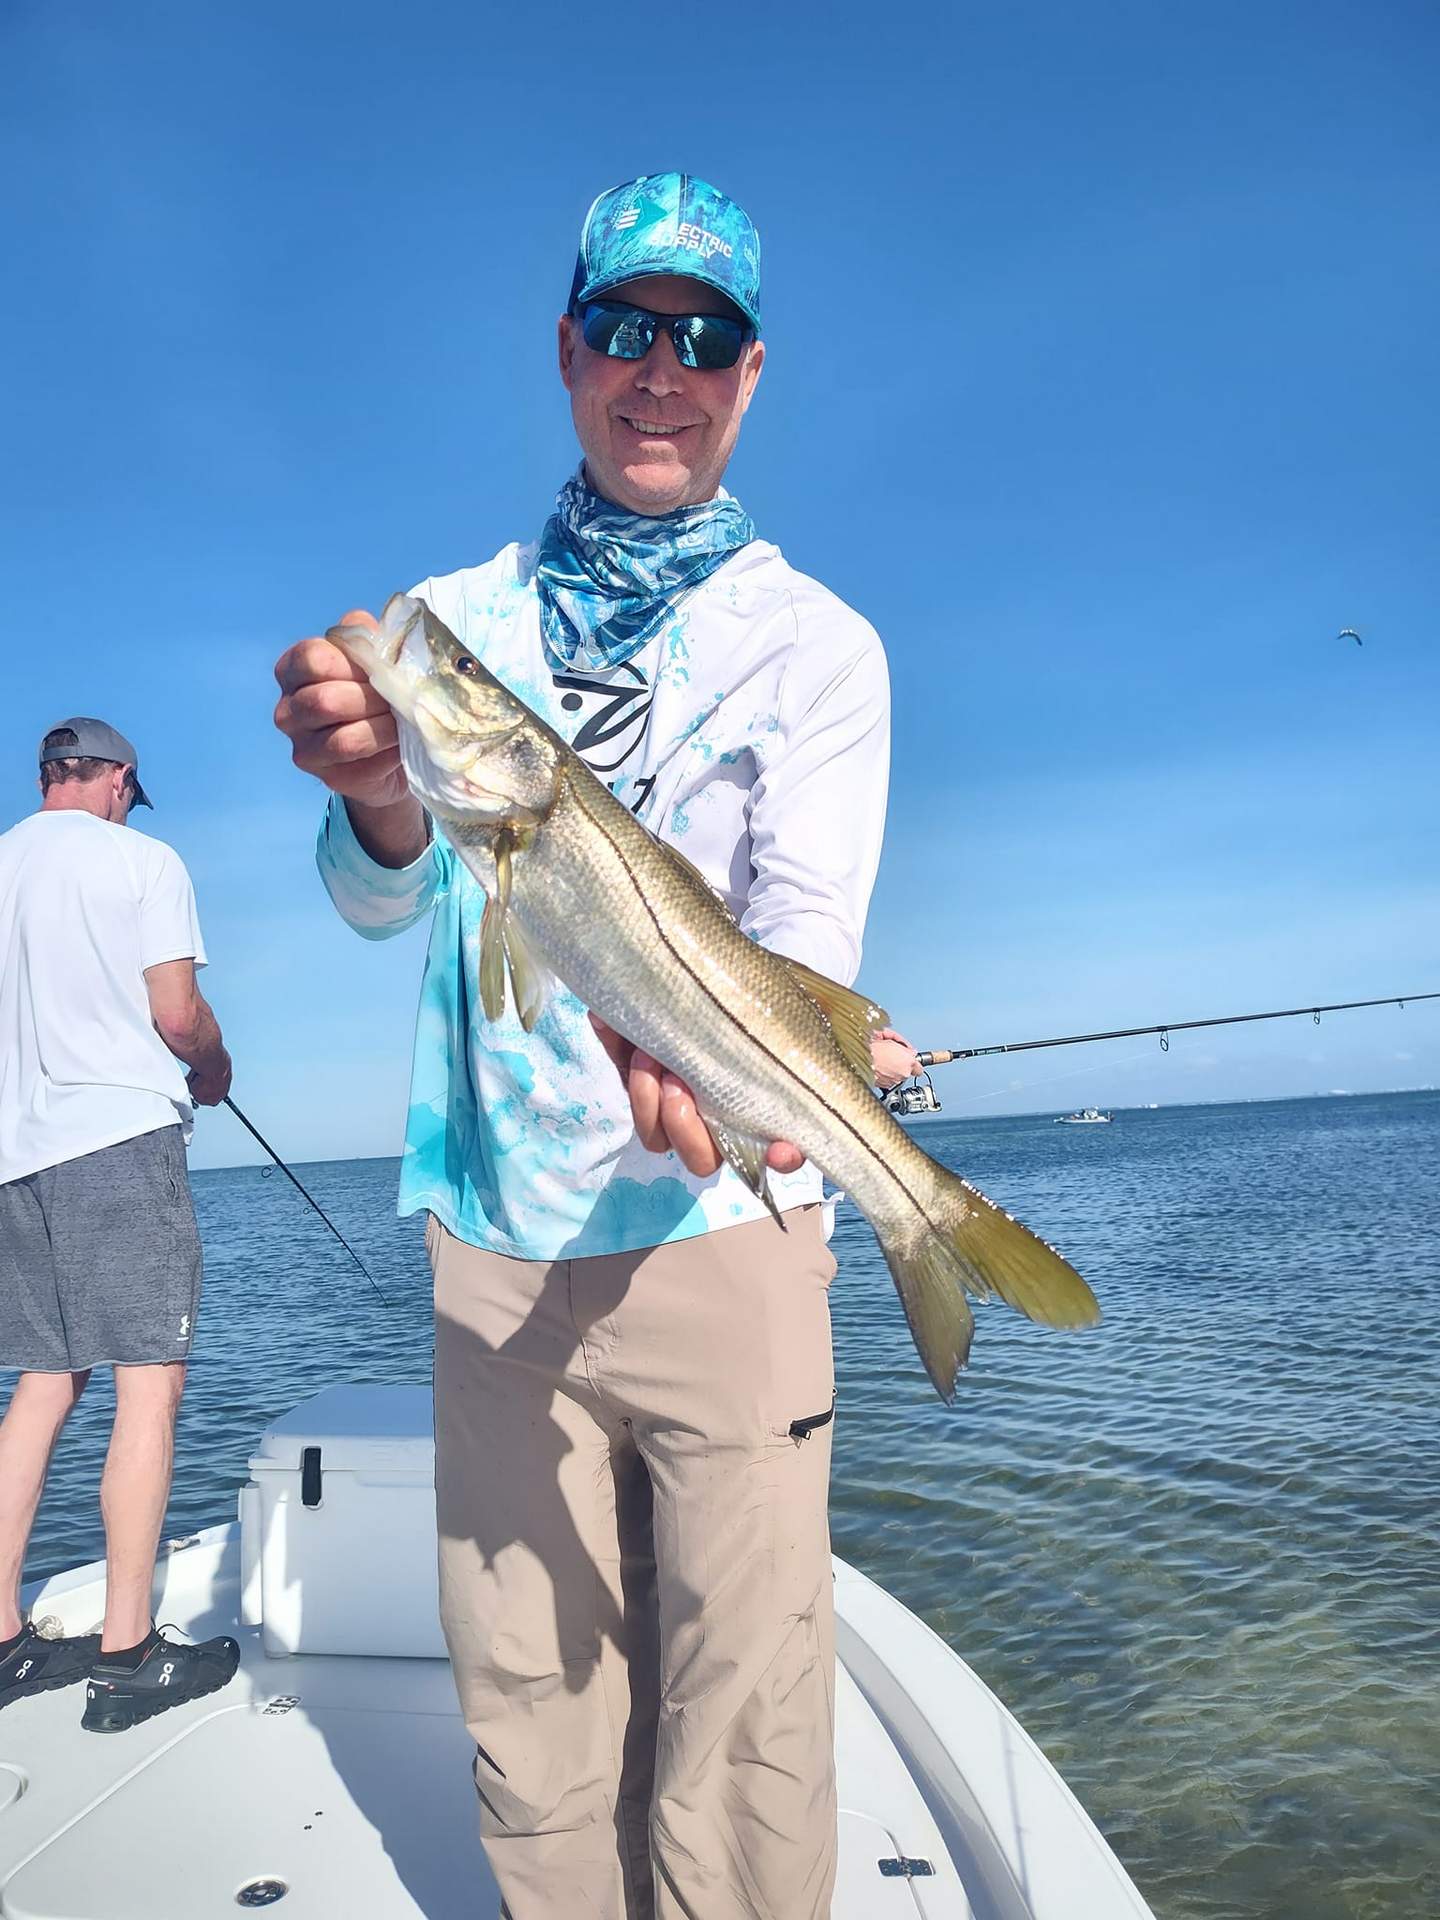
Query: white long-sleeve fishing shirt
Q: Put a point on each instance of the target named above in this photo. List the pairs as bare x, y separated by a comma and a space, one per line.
752, 733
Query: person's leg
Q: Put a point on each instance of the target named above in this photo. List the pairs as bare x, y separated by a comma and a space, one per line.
39, 1408
134, 1491
722, 1348
545, 1578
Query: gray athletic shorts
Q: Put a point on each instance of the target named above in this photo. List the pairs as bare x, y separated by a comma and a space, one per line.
100, 1260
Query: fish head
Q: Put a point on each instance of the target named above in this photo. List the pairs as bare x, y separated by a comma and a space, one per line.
473, 751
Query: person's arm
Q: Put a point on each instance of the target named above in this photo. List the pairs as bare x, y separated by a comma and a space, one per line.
817, 811
185, 1022
817, 818
377, 855
375, 897
170, 951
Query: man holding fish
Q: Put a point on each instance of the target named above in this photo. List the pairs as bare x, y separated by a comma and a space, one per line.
633, 1372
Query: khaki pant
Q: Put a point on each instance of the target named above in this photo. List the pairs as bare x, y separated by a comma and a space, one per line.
635, 1571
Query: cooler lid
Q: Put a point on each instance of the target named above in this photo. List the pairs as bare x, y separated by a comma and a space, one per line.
357, 1428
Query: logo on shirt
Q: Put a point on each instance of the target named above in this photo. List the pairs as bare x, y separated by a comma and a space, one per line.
614, 708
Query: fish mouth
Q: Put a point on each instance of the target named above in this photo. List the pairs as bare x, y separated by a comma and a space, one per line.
379, 652
444, 770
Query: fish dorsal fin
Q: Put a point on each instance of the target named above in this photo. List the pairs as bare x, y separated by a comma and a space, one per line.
850, 1016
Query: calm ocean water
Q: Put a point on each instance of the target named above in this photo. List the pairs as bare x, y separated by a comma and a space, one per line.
1196, 1550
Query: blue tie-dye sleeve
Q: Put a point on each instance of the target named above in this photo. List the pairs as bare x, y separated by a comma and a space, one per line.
377, 901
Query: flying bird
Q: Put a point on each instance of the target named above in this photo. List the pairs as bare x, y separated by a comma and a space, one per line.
1349, 633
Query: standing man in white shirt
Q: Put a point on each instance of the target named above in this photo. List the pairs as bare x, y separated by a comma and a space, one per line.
633, 1370
100, 1264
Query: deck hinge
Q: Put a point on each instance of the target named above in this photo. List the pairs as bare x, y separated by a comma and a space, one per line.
906, 1869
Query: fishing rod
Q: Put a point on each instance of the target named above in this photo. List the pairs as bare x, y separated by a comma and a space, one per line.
255, 1131
920, 1096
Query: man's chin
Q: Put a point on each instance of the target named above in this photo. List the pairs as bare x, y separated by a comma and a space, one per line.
658, 485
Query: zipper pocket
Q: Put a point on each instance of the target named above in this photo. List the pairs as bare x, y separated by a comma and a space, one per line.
802, 1429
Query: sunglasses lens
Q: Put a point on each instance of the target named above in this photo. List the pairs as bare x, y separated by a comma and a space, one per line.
705, 340
702, 340
624, 333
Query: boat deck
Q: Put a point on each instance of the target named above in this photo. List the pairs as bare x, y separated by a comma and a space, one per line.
345, 1781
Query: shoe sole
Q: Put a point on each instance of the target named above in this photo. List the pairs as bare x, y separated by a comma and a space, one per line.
119, 1718
29, 1687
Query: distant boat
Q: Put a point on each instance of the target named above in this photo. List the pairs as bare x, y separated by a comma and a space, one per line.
1087, 1117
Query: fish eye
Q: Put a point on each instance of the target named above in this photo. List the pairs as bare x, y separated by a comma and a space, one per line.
467, 664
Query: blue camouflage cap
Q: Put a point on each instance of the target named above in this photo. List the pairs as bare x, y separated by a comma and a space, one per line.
669, 223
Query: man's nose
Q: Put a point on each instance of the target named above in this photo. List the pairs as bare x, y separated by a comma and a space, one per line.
660, 371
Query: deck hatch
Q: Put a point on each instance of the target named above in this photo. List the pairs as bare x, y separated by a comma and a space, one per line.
905, 1869
310, 1476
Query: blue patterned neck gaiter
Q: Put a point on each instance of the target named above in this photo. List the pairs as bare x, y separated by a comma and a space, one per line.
608, 579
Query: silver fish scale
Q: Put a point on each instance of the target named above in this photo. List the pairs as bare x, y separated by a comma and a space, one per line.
655, 954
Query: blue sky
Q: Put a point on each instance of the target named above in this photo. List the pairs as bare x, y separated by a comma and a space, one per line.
1102, 378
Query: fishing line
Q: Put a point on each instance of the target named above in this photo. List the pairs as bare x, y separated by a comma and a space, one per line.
255, 1131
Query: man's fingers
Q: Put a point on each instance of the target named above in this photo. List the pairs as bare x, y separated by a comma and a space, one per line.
337, 725
665, 1114
314, 659
643, 1080
783, 1157
686, 1131
619, 1050
316, 749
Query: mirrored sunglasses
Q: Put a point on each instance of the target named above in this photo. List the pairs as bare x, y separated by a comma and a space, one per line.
706, 341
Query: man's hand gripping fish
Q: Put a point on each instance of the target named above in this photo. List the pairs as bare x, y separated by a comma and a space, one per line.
578, 889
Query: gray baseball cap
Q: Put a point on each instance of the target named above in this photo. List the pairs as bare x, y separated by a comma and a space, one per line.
95, 741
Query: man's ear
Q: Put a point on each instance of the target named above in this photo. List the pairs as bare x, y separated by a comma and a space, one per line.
567, 347
753, 364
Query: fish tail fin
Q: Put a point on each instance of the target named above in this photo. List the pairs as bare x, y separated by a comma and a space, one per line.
965, 1244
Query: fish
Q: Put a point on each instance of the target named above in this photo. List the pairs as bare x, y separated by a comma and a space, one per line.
579, 892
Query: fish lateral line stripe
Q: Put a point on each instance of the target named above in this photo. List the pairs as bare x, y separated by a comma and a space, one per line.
841, 1119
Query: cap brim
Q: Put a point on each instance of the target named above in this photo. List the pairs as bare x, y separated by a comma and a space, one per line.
655, 269
142, 798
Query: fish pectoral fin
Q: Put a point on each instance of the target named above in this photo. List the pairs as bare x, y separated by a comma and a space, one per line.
850, 1016
493, 932
492, 959
531, 981
746, 1155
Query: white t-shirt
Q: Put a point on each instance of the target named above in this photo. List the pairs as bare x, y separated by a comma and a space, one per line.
85, 908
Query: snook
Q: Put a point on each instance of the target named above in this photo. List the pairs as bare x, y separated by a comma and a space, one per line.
578, 889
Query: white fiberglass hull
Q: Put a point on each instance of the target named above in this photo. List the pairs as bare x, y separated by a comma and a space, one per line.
345, 1780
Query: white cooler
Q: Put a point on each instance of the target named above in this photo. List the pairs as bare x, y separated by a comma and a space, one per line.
337, 1527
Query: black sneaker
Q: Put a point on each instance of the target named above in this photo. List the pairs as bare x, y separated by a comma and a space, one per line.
169, 1673
42, 1660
